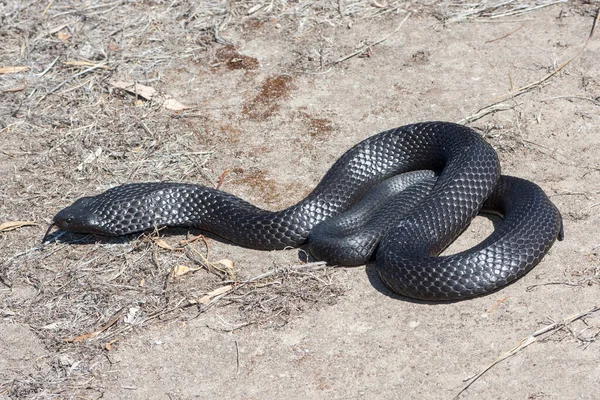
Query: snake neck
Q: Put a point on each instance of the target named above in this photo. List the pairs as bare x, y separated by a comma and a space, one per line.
229, 216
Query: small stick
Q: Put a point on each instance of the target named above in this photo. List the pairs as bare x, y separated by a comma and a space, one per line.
86, 336
594, 101
553, 153
48, 7
83, 64
49, 67
362, 49
485, 111
500, 301
375, 3
507, 35
85, 71
237, 358
221, 179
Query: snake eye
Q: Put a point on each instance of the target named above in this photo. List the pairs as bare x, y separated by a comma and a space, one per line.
69, 220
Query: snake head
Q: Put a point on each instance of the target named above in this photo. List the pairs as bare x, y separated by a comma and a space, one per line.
122, 210
78, 217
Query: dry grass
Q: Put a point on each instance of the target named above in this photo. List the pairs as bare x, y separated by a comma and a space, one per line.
87, 300
496, 9
69, 133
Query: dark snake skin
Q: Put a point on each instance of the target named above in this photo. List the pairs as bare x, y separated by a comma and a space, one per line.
434, 208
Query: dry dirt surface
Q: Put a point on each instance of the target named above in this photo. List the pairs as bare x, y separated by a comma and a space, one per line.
261, 98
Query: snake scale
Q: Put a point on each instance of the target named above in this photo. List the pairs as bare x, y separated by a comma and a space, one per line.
399, 197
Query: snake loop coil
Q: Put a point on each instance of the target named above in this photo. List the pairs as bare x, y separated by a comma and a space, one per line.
401, 197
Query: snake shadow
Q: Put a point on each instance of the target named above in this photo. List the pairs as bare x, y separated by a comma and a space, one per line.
73, 238
378, 284
373, 276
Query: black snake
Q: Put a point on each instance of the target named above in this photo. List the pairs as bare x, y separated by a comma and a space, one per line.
415, 189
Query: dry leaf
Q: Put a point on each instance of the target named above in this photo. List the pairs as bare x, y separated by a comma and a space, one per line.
87, 336
64, 35
374, 3
90, 158
114, 46
226, 263
14, 89
210, 295
52, 326
80, 338
57, 29
12, 225
85, 64
174, 105
135, 88
225, 266
108, 345
164, 245
254, 8
185, 242
149, 93
180, 270
13, 70
130, 317
180, 245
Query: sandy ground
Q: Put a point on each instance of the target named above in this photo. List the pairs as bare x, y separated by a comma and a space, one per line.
86, 317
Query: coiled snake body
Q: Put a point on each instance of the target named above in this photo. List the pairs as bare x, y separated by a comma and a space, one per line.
414, 190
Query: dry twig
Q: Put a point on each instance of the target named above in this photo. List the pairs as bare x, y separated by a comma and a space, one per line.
539, 82
528, 341
368, 46
497, 103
